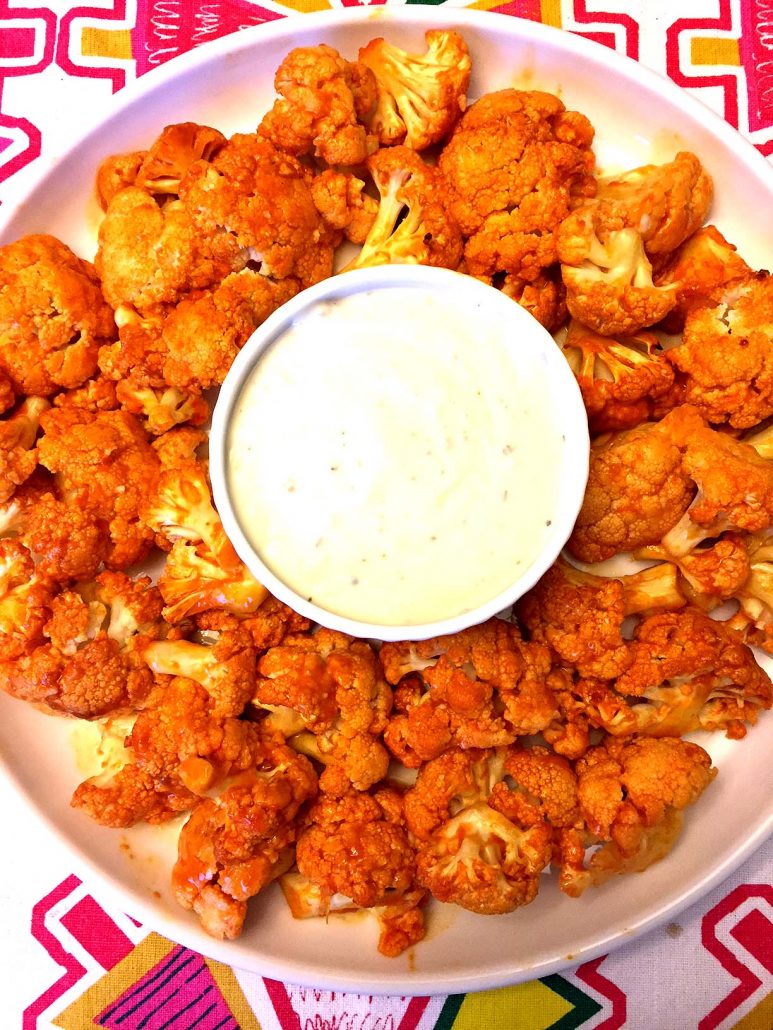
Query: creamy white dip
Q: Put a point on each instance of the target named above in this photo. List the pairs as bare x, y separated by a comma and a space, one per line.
392, 460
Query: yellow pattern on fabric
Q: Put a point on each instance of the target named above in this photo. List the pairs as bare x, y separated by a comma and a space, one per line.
760, 1017
148, 953
528, 1006
113, 43
307, 6
550, 13
705, 50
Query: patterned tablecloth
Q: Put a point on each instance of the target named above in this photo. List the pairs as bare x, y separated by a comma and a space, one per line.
68, 959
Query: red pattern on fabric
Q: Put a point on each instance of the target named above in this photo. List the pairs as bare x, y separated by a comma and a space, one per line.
757, 59
412, 1015
117, 76
280, 999
92, 927
17, 42
755, 934
723, 21
748, 982
531, 10
73, 970
589, 974
630, 26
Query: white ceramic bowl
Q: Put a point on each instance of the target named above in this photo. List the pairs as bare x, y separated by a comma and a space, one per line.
643, 117
553, 392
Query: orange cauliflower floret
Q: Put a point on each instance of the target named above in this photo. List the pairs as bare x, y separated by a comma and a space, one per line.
580, 615
172, 154
69, 542
205, 332
637, 488
514, 166
609, 284
471, 853
327, 695
631, 797
726, 355
25, 601
18, 454
619, 378
104, 465
176, 751
664, 204
257, 199
735, 490
688, 672
420, 96
708, 575
225, 666
413, 224
755, 618
202, 571
481, 687
236, 843
92, 663
150, 255
702, 268
355, 852
340, 200
53, 319
544, 298
116, 173
322, 98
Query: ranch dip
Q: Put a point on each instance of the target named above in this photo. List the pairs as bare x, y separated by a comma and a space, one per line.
392, 460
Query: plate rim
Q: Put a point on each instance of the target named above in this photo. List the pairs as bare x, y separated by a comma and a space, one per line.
526, 31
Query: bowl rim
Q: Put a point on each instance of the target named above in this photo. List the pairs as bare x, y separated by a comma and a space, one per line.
533, 341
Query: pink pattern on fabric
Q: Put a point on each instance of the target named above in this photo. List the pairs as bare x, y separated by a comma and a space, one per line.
166, 28
531, 10
17, 42
73, 970
95, 930
748, 981
755, 934
66, 44
589, 974
757, 60
181, 984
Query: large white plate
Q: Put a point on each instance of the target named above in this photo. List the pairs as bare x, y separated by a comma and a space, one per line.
638, 117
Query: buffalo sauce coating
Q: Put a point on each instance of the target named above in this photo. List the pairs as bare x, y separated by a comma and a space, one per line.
392, 458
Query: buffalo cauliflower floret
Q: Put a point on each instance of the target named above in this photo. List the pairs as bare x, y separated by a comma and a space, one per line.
172, 154
664, 204
202, 571
326, 694
638, 488
471, 853
580, 615
726, 355
357, 848
689, 672
544, 298
735, 490
164, 408
754, 620
481, 687
708, 575
702, 268
91, 664
324, 99
413, 224
257, 199
103, 464
514, 165
340, 200
420, 96
204, 332
631, 797
151, 255
53, 318
619, 378
25, 601
18, 454
176, 751
234, 844
609, 284
116, 173
224, 666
